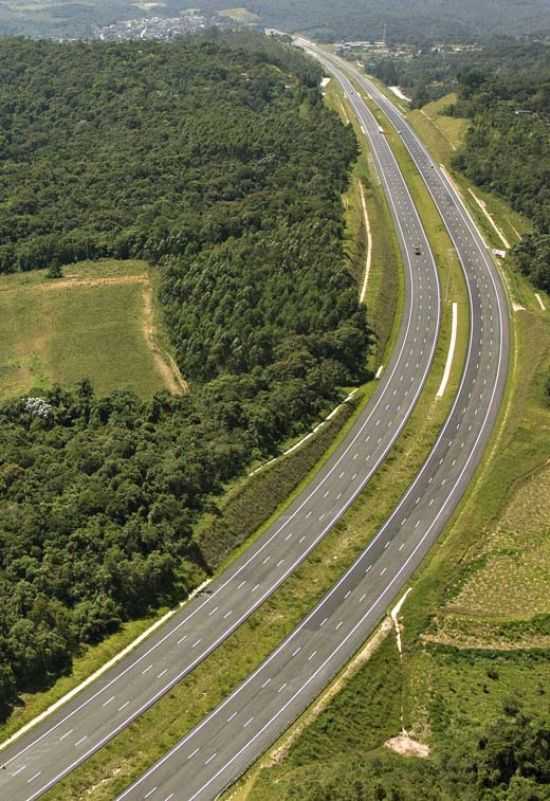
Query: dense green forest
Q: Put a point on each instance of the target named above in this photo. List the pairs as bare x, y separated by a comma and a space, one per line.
428, 73
217, 161
424, 76
415, 20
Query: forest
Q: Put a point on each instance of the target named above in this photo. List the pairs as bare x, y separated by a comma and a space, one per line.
216, 160
406, 20
508, 144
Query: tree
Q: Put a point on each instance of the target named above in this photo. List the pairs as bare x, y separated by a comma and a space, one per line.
55, 270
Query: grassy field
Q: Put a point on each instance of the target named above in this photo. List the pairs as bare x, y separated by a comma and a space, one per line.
452, 130
92, 323
476, 627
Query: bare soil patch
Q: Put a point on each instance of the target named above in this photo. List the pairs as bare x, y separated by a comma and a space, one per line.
406, 746
165, 364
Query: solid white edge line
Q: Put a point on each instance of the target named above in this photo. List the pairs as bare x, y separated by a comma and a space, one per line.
451, 353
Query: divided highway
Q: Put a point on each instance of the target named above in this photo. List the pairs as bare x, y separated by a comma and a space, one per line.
238, 731
43, 756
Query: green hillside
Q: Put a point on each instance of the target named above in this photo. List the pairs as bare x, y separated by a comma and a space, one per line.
348, 19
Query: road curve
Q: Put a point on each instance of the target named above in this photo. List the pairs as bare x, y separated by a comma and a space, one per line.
238, 731
43, 756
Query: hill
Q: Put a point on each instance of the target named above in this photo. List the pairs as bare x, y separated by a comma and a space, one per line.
405, 19
416, 20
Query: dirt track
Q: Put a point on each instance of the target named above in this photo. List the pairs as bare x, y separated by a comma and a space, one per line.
165, 364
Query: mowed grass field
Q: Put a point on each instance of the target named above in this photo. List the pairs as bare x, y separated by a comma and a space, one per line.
89, 324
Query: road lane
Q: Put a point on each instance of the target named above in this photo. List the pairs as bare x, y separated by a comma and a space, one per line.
239, 730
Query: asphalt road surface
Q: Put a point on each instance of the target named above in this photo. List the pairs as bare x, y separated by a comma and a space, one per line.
239, 730
43, 756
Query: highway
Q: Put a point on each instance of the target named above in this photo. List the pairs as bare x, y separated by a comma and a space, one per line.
214, 754
43, 756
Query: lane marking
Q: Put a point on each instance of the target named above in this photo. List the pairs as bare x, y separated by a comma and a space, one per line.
451, 353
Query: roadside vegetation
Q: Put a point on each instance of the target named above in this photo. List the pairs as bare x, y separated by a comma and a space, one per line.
493, 111
475, 670
474, 676
506, 150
